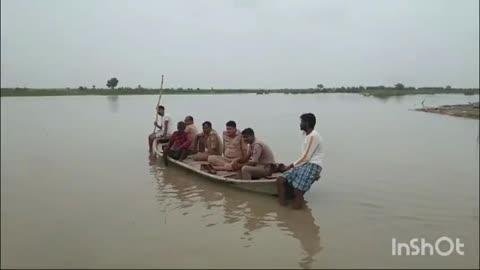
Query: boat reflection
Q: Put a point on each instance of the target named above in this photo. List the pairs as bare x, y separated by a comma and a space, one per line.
254, 211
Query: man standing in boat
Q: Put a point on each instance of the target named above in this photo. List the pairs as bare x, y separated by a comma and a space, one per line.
302, 173
164, 125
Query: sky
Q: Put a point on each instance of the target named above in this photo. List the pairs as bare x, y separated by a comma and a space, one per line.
239, 43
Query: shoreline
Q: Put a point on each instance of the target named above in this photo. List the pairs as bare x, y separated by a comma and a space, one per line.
470, 110
381, 93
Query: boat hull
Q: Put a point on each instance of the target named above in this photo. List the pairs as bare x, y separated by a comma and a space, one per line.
265, 186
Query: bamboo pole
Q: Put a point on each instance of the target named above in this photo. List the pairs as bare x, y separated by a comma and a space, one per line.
158, 104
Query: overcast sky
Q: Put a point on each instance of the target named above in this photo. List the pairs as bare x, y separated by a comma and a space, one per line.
239, 44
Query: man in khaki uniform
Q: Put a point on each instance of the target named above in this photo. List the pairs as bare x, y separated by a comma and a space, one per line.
261, 160
234, 152
207, 143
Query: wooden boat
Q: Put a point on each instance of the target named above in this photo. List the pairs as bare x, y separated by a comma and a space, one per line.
263, 185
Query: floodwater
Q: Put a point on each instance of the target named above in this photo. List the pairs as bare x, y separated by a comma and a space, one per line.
79, 191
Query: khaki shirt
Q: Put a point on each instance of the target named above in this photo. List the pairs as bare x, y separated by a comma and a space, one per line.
234, 147
214, 143
261, 153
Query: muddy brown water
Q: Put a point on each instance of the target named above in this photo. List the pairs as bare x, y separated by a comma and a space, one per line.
79, 191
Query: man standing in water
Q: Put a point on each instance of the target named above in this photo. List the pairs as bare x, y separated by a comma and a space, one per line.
163, 123
302, 173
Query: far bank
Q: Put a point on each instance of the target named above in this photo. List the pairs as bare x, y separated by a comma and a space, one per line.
378, 92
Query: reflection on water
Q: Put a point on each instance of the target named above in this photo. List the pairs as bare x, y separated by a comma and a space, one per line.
237, 207
390, 172
385, 98
113, 103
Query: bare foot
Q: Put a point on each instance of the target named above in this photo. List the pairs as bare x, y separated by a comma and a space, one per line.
298, 200
211, 169
208, 168
282, 201
297, 205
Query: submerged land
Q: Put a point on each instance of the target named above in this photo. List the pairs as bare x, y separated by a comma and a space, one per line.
470, 110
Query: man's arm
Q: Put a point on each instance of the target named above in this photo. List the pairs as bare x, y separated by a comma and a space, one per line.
186, 144
307, 153
195, 144
255, 155
215, 144
223, 145
245, 152
166, 123
172, 140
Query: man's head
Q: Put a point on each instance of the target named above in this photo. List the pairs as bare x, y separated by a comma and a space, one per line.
307, 121
181, 126
207, 127
248, 135
188, 120
161, 110
231, 128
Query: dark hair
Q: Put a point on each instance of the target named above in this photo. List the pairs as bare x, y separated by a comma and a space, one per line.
231, 124
309, 118
189, 117
248, 132
161, 107
181, 123
207, 123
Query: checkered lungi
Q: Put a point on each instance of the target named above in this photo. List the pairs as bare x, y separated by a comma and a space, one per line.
302, 177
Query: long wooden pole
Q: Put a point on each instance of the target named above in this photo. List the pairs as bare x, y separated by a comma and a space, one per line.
158, 104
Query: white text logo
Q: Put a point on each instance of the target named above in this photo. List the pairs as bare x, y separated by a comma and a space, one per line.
443, 246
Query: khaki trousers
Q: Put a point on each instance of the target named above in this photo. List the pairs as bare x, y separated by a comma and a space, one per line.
255, 172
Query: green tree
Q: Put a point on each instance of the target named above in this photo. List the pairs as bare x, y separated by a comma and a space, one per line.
448, 87
112, 83
399, 86
320, 86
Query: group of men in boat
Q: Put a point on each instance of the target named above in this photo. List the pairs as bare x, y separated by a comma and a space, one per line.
241, 151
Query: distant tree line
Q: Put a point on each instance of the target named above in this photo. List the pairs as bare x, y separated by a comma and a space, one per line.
112, 83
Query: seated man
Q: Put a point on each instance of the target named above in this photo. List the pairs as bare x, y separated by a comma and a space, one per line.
234, 151
261, 162
207, 143
164, 126
191, 131
178, 145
